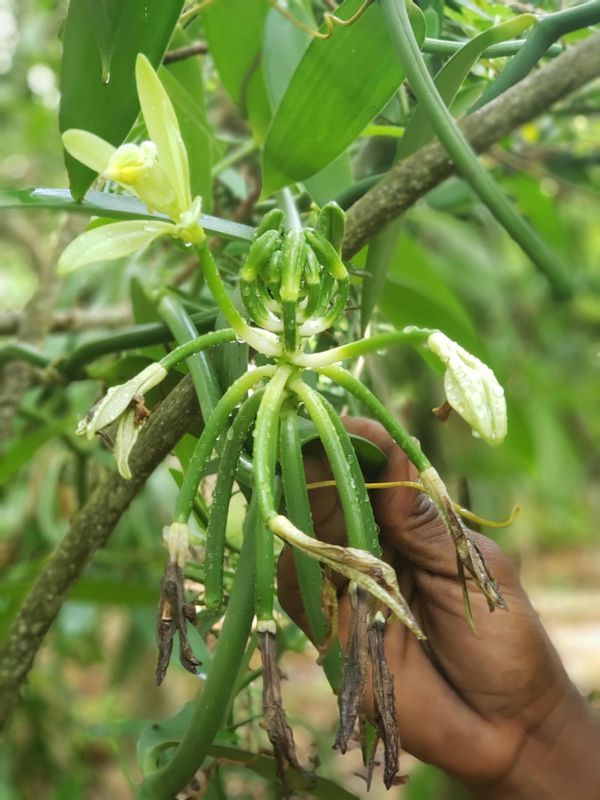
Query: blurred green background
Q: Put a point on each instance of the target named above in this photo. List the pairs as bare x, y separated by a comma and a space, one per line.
452, 268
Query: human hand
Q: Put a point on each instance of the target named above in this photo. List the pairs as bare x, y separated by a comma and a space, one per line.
498, 711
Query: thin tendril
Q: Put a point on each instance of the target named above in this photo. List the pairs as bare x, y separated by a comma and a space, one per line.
329, 20
464, 512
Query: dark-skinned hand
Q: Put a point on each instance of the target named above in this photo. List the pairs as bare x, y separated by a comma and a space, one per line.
498, 712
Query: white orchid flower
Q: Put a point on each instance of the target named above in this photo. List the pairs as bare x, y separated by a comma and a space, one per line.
471, 389
118, 398
156, 171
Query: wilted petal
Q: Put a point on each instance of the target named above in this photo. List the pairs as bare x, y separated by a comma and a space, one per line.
125, 438
384, 701
372, 574
173, 613
109, 242
471, 389
468, 555
88, 148
163, 128
118, 398
354, 677
279, 732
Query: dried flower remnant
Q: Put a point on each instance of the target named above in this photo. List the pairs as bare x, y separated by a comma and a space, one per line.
355, 671
279, 732
384, 703
173, 612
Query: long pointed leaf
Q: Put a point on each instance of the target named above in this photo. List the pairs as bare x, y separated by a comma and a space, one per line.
325, 106
97, 74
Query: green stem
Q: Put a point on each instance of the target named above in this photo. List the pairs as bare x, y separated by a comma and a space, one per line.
265, 440
298, 511
259, 340
199, 364
128, 339
362, 346
232, 158
194, 346
380, 412
446, 47
164, 783
214, 426
21, 351
217, 521
360, 524
457, 147
541, 38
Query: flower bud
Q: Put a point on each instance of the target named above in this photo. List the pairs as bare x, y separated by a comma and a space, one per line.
471, 389
118, 398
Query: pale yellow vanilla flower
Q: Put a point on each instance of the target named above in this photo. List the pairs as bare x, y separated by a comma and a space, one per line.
471, 389
156, 171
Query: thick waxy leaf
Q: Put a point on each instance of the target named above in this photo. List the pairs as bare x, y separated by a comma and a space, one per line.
234, 30
284, 46
325, 107
450, 78
100, 43
100, 204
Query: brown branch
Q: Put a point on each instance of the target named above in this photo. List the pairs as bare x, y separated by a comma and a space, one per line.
412, 178
76, 319
189, 51
90, 530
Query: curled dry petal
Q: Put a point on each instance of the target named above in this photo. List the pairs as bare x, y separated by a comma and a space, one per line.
279, 732
118, 399
471, 389
173, 613
467, 552
177, 537
384, 702
365, 570
354, 676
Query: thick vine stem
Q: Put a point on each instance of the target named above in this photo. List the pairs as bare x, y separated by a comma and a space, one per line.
360, 523
412, 178
442, 121
298, 511
217, 521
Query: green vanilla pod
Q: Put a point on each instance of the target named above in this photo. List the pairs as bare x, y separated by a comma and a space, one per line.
332, 224
258, 255
272, 221
326, 253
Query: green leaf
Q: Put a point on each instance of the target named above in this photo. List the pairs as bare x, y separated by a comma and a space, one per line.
284, 46
97, 74
379, 255
110, 205
325, 107
234, 30
450, 78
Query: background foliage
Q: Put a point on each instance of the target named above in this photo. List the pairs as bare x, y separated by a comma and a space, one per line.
449, 267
